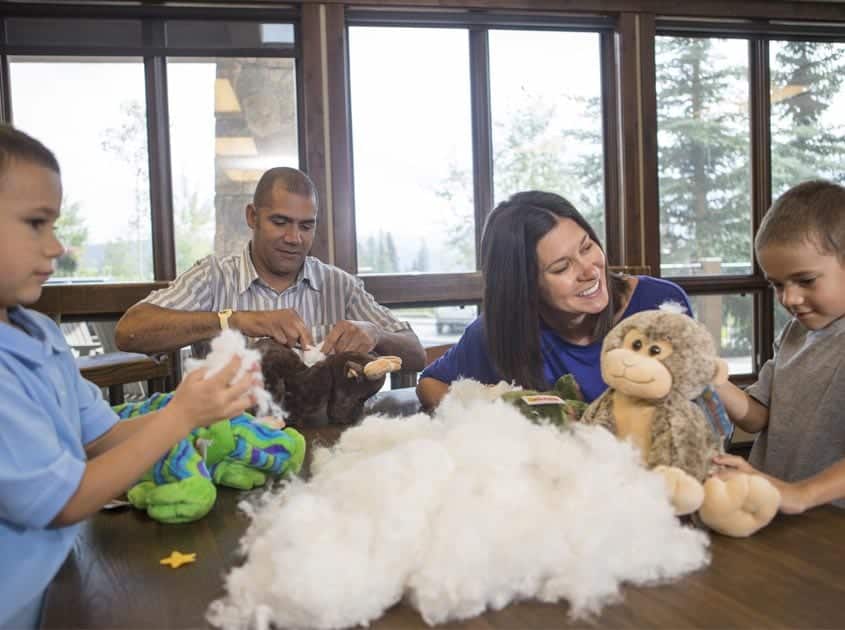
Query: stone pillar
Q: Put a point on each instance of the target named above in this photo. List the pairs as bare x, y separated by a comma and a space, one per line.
256, 132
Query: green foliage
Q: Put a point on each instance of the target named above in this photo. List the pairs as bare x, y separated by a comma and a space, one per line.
377, 254
73, 234
422, 260
704, 169
532, 155
129, 257
703, 152
810, 75
194, 219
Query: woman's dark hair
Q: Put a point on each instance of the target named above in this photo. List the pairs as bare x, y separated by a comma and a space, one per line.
16, 145
511, 303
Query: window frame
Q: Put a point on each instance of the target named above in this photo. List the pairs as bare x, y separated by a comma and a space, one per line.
758, 34
629, 121
465, 287
154, 51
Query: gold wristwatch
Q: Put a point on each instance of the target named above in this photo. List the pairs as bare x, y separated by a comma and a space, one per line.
224, 316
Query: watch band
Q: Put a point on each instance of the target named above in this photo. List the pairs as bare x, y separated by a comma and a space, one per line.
224, 316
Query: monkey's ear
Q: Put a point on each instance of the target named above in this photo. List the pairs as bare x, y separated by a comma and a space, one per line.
720, 373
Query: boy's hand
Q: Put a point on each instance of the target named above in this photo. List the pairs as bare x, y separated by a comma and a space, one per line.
792, 500
200, 401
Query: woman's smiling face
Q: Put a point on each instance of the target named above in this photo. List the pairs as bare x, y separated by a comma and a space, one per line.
571, 270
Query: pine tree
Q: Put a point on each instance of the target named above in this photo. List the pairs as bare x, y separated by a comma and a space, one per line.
422, 259
391, 257
806, 77
130, 258
73, 234
703, 156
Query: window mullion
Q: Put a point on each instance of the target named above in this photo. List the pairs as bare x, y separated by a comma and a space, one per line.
761, 185
482, 135
5, 94
611, 141
158, 149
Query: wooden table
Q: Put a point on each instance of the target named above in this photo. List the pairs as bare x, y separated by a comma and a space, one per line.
790, 575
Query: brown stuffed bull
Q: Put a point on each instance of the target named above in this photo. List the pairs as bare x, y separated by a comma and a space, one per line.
332, 391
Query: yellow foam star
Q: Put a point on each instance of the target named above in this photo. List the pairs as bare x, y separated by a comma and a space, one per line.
176, 559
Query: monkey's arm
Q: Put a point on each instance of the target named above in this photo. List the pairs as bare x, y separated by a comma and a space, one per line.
600, 412
683, 438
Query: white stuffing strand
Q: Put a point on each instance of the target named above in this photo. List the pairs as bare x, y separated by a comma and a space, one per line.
223, 348
311, 355
670, 306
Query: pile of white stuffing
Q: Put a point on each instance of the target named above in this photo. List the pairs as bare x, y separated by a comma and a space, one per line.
471, 509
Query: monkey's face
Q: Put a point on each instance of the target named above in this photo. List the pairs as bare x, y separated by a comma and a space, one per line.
636, 367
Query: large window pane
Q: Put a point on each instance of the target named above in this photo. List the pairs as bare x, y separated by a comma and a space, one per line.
92, 114
729, 318
547, 123
230, 120
703, 156
808, 112
412, 142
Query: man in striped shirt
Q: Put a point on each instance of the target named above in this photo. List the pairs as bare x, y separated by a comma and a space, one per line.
273, 288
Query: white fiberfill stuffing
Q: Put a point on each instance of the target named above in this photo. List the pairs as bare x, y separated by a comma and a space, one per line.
225, 346
311, 355
471, 509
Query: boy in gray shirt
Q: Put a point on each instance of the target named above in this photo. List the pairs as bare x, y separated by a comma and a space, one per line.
798, 403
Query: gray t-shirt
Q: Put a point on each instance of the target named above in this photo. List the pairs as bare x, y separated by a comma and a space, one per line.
804, 388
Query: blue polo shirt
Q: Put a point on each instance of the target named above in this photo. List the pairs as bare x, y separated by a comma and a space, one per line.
48, 412
469, 357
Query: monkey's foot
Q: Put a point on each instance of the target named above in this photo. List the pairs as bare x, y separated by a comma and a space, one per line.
379, 367
739, 505
684, 490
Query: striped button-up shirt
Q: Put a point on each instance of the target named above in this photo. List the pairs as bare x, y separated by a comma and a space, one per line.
322, 294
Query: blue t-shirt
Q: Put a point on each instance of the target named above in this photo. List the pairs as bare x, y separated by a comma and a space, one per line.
469, 357
48, 412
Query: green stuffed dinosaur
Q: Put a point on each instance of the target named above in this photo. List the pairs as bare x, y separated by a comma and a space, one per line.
238, 453
560, 406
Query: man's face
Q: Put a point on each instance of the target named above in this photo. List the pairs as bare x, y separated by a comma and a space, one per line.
283, 232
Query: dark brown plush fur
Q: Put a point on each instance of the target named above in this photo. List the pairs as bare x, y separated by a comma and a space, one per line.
332, 391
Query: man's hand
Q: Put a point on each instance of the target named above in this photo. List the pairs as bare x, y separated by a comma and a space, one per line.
351, 336
284, 325
792, 499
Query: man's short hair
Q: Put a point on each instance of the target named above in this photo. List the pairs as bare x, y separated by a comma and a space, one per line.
813, 211
292, 180
16, 145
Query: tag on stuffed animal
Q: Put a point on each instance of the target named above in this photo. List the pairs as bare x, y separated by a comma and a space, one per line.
542, 399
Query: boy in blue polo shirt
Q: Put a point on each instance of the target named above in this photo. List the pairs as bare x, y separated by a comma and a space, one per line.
62, 453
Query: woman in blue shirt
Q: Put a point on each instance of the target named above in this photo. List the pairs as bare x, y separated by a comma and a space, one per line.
549, 300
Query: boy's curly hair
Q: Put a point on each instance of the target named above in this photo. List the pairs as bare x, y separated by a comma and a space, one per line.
814, 212
16, 145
